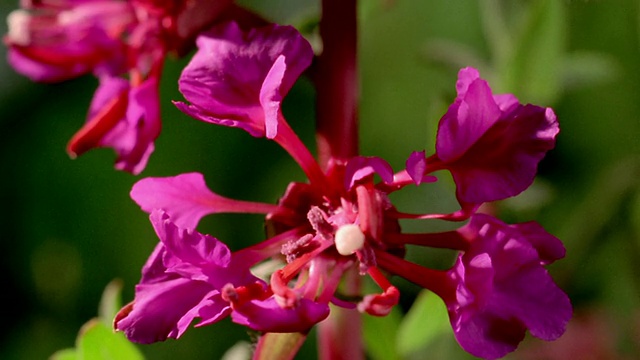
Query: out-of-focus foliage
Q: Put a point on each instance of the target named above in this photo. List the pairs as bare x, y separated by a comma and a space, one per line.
69, 227
97, 340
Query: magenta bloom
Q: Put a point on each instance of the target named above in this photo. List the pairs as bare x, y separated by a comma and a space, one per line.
191, 275
239, 79
502, 288
58, 41
342, 221
492, 144
124, 44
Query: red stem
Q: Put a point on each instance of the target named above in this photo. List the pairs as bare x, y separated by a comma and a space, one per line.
337, 82
337, 92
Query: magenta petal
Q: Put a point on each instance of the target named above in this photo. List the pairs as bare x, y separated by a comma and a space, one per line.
189, 246
60, 41
159, 308
270, 96
549, 247
466, 121
491, 144
186, 198
181, 281
268, 316
361, 167
198, 256
504, 161
502, 289
239, 78
416, 165
124, 118
43, 72
133, 137
506, 102
489, 337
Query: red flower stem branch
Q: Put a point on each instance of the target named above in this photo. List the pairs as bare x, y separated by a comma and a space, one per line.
336, 80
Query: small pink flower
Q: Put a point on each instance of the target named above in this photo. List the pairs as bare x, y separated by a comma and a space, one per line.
239, 78
502, 288
492, 144
117, 41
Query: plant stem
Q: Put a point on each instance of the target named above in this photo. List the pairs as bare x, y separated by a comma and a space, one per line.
337, 83
340, 335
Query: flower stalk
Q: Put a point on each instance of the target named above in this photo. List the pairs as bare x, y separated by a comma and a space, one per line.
336, 80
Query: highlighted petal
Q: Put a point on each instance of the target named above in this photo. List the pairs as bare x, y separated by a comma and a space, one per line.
186, 198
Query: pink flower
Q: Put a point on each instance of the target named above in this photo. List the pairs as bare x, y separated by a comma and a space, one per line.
239, 78
117, 41
502, 288
190, 276
342, 221
492, 144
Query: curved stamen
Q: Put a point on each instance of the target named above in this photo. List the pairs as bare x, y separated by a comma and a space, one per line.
268, 248
463, 214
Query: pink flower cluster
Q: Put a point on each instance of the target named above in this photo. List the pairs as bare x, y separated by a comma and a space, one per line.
340, 222
123, 44
342, 219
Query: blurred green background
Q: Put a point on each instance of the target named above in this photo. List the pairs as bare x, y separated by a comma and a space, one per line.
69, 226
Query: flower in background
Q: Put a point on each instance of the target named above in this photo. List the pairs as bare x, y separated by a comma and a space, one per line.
123, 44
342, 220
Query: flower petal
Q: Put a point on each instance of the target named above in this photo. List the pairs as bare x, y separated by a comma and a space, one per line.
133, 138
164, 309
491, 144
268, 316
504, 162
63, 41
189, 246
186, 198
416, 165
469, 117
360, 167
239, 78
503, 289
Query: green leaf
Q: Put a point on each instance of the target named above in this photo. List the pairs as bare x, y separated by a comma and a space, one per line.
380, 335
533, 68
98, 341
426, 320
583, 68
65, 354
110, 303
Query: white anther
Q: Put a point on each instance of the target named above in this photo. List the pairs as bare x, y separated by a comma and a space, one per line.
349, 238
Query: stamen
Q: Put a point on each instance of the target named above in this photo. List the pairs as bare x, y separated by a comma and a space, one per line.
296, 248
348, 239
